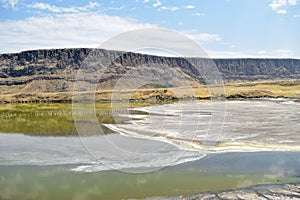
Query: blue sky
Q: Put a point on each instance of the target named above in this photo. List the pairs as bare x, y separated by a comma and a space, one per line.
224, 28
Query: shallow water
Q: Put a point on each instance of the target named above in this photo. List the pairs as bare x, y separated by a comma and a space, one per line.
17, 149
212, 173
169, 143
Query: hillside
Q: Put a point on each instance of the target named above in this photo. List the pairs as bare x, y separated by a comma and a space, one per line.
54, 70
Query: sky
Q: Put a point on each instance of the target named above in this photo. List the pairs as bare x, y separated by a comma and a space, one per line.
223, 28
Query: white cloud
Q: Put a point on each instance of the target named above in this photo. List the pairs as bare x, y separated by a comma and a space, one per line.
276, 4
205, 37
297, 15
171, 8
281, 6
115, 8
198, 14
9, 3
292, 2
62, 31
262, 52
285, 53
163, 39
161, 7
281, 11
189, 7
156, 4
225, 54
91, 29
44, 6
279, 53
202, 37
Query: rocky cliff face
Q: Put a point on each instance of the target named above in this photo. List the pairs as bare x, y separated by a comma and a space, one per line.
255, 69
54, 70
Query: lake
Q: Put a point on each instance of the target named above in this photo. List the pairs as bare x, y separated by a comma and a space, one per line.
163, 150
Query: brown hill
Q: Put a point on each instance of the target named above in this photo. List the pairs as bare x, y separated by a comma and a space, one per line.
55, 70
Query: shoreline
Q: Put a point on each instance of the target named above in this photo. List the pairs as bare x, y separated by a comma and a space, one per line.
255, 192
44, 98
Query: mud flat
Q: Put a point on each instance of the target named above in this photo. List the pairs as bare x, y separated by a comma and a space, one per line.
214, 127
264, 192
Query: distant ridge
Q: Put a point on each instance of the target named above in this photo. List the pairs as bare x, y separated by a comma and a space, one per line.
54, 70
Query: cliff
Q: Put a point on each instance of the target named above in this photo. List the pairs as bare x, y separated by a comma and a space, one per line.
54, 70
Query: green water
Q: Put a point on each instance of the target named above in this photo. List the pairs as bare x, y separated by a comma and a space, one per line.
59, 182
213, 173
52, 119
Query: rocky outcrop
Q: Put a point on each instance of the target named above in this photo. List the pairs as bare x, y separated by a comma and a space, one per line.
257, 69
30, 67
41, 62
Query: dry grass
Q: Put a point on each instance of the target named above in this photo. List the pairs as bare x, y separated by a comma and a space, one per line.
275, 89
287, 89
